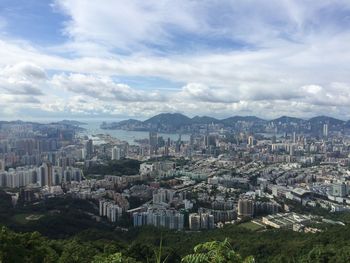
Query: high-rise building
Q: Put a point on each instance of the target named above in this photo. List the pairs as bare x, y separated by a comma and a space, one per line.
140, 219
294, 137
2, 165
291, 150
153, 142
325, 130
167, 218
199, 221
45, 174
245, 207
116, 153
163, 196
89, 148
250, 141
110, 210
195, 221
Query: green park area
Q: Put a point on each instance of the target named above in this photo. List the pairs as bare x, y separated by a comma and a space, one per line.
24, 218
252, 226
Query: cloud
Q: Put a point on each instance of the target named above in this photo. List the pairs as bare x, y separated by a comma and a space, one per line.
103, 88
18, 99
200, 92
25, 71
20, 88
221, 57
136, 25
23, 79
126, 25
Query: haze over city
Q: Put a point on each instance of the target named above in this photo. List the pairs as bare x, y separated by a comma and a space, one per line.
120, 59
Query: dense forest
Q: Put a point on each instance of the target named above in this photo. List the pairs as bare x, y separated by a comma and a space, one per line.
157, 245
32, 247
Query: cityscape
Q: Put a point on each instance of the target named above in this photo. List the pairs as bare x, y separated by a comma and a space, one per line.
185, 131
249, 172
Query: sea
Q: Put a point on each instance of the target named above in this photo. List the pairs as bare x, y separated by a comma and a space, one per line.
92, 128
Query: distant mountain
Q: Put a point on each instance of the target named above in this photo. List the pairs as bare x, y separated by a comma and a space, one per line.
287, 120
170, 122
130, 122
326, 119
169, 119
347, 124
15, 122
20, 122
173, 122
234, 119
204, 120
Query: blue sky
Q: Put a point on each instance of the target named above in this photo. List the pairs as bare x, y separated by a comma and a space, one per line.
120, 59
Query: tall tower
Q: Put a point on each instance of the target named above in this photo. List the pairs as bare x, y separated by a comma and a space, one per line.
45, 174
116, 153
250, 141
325, 130
294, 137
153, 142
89, 148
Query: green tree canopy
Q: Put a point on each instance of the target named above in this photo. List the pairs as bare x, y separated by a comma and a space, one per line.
215, 252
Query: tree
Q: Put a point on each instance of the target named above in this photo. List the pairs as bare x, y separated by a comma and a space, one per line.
215, 252
114, 258
77, 252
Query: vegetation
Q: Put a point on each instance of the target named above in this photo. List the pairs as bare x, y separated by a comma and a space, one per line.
142, 244
54, 217
251, 226
32, 247
65, 232
115, 167
215, 251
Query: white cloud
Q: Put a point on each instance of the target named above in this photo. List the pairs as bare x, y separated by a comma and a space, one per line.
25, 71
103, 88
200, 92
292, 57
23, 79
135, 24
125, 24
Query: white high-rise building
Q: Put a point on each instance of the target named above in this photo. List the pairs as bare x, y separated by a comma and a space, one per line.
325, 130
250, 141
294, 137
110, 210
116, 153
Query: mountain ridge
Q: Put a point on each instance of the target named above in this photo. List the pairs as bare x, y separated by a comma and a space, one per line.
175, 121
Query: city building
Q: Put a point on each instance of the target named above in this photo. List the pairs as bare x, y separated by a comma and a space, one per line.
245, 207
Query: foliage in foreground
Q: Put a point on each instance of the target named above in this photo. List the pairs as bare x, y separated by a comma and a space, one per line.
215, 251
32, 247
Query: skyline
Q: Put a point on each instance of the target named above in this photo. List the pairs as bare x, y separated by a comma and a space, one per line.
78, 60
96, 120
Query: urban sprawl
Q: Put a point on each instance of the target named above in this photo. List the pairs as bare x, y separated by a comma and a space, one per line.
267, 173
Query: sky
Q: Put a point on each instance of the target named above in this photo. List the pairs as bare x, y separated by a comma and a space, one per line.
111, 59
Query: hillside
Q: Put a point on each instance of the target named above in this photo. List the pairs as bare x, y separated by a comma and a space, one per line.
174, 122
169, 119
